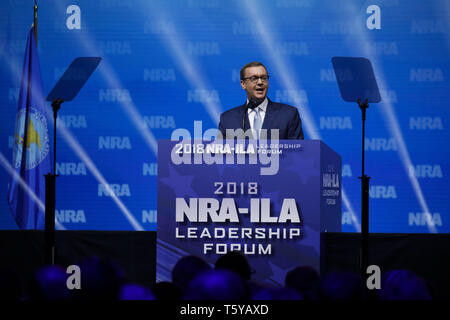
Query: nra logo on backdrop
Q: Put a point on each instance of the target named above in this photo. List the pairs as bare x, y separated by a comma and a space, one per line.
114, 95
149, 216
71, 168
346, 170
347, 218
70, 216
380, 144
329, 75
71, 121
295, 97
118, 190
388, 96
426, 75
203, 96
159, 27
159, 75
425, 123
335, 123
423, 219
159, 122
203, 48
245, 28
382, 192
425, 171
382, 48
115, 47
114, 142
149, 169
292, 48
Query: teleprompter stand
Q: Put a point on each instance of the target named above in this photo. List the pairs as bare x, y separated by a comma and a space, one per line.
65, 90
357, 83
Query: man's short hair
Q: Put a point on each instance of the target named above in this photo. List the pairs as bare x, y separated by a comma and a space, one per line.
249, 65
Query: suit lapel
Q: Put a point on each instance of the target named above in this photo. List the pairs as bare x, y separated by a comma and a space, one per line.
268, 118
241, 116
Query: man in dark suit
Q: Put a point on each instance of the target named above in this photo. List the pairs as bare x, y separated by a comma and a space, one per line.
259, 113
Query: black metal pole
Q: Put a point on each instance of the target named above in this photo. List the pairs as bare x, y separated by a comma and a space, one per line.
49, 233
56, 105
50, 196
364, 251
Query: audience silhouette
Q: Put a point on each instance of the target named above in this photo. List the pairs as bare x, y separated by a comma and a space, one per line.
305, 280
186, 269
194, 279
217, 285
403, 285
342, 286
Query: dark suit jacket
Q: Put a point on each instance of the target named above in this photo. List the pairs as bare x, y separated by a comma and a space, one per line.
278, 116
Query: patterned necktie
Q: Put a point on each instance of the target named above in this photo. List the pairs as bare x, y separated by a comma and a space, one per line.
257, 123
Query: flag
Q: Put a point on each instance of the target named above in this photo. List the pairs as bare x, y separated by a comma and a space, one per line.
31, 152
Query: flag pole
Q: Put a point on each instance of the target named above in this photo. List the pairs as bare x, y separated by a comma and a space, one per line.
49, 232
35, 20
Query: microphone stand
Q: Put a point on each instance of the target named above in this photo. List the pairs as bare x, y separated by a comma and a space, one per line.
252, 104
50, 198
364, 254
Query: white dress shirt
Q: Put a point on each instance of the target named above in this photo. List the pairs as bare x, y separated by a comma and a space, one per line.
262, 112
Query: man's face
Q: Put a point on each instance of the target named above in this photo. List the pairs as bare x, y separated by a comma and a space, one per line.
255, 90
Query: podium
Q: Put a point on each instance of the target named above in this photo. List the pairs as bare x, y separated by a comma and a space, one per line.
272, 202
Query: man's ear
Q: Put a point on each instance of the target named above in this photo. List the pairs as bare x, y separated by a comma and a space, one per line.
243, 86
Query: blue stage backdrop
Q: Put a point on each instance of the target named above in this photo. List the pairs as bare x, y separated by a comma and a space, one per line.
169, 63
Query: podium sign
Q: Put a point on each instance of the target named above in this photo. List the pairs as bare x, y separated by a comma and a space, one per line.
271, 204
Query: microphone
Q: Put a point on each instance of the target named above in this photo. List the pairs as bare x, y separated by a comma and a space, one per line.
252, 104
